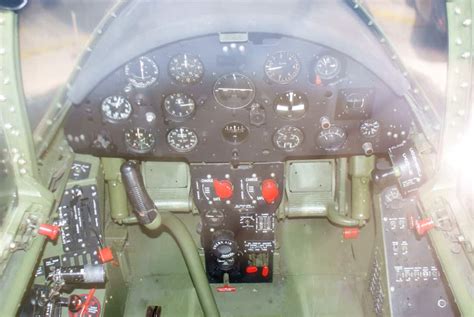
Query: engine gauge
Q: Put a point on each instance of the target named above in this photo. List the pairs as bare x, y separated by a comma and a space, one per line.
282, 67
116, 108
288, 138
369, 128
179, 106
291, 105
235, 132
141, 72
139, 140
234, 91
182, 139
332, 139
327, 67
186, 68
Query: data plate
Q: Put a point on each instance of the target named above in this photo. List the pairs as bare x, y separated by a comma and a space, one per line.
416, 283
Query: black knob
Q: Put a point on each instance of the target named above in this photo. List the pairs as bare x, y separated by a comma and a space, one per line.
224, 248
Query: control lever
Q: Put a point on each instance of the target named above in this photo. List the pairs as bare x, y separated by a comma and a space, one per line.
143, 205
406, 170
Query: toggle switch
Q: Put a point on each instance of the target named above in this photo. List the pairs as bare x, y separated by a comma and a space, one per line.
49, 231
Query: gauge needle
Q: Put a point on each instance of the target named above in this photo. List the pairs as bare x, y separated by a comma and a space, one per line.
274, 68
234, 89
185, 104
185, 61
141, 69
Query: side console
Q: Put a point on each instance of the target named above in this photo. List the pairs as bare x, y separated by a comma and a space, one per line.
237, 207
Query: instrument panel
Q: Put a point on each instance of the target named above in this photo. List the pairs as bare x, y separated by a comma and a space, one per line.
266, 98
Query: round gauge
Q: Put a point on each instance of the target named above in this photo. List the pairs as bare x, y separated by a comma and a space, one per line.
282, 67
234, 91
141, 72
369, 128
235, 132
116, 108
186, 68
179, 106
332, 139
288, 138
291, 105
182, 139
139, 140
327, 67
214, 217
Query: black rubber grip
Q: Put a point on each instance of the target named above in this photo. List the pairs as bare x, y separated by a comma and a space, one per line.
141, 202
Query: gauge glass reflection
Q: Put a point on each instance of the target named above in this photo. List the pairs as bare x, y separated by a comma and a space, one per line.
179, 106
139, 140
182, 139
288, 138
116, 108
291, 105
282, 67
234, 91
186, 68
142, 72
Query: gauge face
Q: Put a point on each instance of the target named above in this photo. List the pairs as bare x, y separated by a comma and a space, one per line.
141, 72
139, 140
179, 106
291, 105
182, 139
235, 132
327, 67
186, 68
116, 108
369, 128
234, 91
332, 139
288, 138
357, 101
282, 67
214, 217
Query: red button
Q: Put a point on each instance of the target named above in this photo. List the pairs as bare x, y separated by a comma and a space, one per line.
106, 255
226, 289
223, 189
270, 190
265, 271
422, 226
350, 233
49, 231
251, 269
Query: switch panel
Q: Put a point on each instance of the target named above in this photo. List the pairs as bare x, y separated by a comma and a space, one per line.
237, 207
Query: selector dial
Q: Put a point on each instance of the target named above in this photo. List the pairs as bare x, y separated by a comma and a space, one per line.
224, 248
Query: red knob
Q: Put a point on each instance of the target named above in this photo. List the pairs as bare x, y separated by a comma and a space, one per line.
251, 269
270, 190
49, 231
265, 271
422, 226
223, 189
350, 233
105, 255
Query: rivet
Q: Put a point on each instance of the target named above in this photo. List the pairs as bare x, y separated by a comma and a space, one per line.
415, 90
3, 98
21, 161
382, 40
78, 67
2, 51
8, 126
99, 31
6, 81
461, 113
49, 122
466, 55
58, 105
113, 15
464, 85
467, 22
458, 41
22, 171
370, 23
2, 20
457, 10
